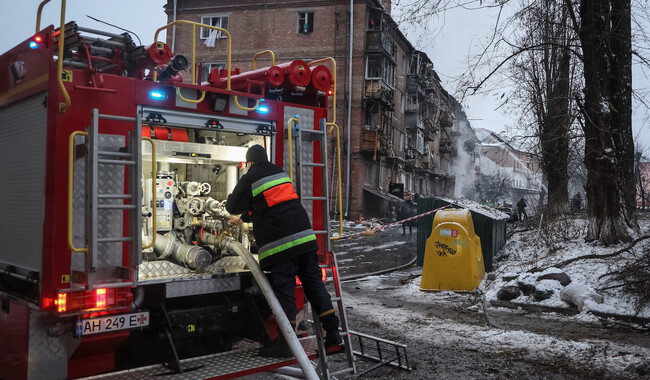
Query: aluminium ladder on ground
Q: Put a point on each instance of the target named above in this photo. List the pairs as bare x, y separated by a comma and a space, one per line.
309, 136
103, 161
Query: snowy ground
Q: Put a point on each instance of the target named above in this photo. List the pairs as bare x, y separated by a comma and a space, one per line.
471, 336
544, 248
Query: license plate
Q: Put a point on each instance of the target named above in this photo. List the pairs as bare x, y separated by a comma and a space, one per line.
112, 323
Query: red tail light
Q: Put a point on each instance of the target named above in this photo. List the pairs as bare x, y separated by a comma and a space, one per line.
324, 272
100, 298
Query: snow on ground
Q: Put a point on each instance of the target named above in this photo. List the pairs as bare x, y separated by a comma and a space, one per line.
540, 248
543, 249
590, 353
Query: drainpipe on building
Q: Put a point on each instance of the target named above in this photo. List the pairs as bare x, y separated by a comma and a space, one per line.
347, 185
174, 28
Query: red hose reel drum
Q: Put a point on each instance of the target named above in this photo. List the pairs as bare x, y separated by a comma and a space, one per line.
276, 75
321, 78
299, 73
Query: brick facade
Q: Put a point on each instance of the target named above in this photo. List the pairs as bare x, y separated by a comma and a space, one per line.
260, 25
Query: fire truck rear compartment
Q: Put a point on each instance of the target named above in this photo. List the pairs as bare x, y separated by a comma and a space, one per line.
192, 326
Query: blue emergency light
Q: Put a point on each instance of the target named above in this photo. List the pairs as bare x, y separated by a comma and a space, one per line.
262, 108
158, 95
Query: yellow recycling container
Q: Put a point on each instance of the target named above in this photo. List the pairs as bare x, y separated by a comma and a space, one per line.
453, 259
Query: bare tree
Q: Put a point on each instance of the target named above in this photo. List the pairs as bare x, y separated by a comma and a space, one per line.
543, 73
605, 34
642, 177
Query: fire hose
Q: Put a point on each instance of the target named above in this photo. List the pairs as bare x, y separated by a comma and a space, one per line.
382, 227
285, 327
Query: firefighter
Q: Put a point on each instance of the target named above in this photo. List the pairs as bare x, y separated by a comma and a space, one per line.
286, 243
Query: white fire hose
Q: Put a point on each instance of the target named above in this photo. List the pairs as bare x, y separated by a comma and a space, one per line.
285, 327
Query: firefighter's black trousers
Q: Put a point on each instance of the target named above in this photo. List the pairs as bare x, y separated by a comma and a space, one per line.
283, 280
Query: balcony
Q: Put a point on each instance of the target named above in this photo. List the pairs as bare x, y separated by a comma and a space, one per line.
414, 84
447, 119
412, 121
411, 107
429, 134
378, 41
448, 147
377, 89
369, 140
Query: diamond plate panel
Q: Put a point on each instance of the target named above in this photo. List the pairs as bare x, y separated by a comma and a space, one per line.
169, 271
79, 206
47, 353
151, 270
306, 153
226, 363
212, 285
110, 223
230, 263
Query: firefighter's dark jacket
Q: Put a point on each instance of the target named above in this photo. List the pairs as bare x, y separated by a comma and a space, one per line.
265, 196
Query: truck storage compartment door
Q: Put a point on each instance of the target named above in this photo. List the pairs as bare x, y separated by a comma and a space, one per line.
106, 204
22, 190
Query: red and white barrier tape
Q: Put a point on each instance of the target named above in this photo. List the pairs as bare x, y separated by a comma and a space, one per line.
383, 227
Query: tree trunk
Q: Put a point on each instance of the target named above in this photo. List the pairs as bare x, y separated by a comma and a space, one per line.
605, 34
555, 139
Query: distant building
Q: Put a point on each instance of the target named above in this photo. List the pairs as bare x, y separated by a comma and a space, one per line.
400, 116
643, 186
516, 170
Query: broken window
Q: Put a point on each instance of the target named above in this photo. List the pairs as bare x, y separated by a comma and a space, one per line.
305, 22
218, 21
378, 66
374, 19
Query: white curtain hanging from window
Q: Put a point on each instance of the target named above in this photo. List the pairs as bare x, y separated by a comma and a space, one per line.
211, 41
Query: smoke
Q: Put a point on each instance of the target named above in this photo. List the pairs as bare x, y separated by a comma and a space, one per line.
462, 165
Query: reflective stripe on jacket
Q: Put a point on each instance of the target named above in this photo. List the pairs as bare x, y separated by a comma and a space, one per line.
280, 223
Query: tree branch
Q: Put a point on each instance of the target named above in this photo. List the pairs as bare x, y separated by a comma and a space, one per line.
593, 256
521, 50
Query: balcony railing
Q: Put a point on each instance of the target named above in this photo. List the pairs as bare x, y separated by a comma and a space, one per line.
377, 40
378, 89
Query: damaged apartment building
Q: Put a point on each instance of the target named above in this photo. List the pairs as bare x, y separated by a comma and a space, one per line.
394, 116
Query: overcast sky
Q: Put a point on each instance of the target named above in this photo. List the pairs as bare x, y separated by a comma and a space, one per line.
451, 40
460, 33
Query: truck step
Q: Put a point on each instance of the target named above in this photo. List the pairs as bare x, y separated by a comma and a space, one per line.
225, 365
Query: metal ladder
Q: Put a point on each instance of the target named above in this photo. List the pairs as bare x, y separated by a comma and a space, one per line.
309, 136
102, 266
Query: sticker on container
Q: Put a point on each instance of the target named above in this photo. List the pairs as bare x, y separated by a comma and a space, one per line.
448, 232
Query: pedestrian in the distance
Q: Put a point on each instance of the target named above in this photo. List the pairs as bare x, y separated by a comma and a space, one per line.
286, 243
521, 209
407, 210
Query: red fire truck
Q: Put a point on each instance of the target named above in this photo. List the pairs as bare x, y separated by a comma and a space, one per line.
116, 254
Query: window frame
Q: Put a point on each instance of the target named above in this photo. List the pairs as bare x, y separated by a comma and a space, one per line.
302, 17
211, 65
207, 31
370, 170
386, 69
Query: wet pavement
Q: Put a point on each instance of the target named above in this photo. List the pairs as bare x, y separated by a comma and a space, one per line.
369, 254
